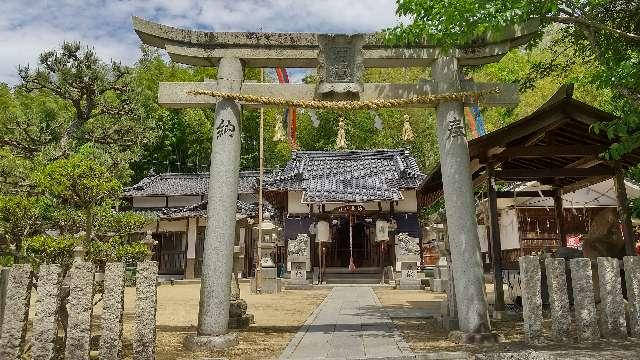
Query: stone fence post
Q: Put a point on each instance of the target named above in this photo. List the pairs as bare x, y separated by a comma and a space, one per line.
14, 324
144, 341
531, 298
612, 301
583, 299
79, 308
4, 277
558, 297
112, 307
632, 277
45, 322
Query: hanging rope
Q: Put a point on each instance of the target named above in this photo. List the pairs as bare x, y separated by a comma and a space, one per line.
278, 132
407, 132
341, 140
346, 105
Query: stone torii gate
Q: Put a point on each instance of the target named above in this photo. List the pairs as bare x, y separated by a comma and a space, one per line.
340, 61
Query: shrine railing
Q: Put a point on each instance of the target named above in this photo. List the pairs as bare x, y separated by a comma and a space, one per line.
607, 289
19, 282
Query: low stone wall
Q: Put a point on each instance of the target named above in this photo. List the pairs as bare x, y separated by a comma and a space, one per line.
80, 281
607, 320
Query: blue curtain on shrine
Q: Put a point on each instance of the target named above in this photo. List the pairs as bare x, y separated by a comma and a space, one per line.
295, 226
407, 223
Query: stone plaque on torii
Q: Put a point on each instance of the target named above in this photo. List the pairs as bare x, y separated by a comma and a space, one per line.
340, 61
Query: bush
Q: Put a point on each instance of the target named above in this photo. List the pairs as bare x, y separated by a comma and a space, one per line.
44, 249
6, 260
116, 250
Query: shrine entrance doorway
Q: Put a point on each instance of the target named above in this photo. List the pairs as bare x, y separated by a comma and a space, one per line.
360, 246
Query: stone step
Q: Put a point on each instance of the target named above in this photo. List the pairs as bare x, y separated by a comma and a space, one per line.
352, 280
345, 270
352, 275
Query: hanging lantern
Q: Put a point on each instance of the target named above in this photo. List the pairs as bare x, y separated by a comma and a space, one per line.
341, 141
278, 132
382, 230
407, 133
323, 232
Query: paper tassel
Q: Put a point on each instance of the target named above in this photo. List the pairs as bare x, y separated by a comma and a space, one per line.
377, 122
407, 133
278, 132
341, 141
314, 118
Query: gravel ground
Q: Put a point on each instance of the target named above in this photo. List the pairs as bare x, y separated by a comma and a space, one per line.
426, 336
277, 318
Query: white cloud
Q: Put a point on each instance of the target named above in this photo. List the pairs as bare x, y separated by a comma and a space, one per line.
27, 28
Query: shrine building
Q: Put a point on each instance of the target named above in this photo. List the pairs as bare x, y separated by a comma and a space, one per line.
180, 203
352, 191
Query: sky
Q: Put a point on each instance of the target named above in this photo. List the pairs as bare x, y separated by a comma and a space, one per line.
29, 27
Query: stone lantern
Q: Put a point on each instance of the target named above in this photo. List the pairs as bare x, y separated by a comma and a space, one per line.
268, 242
266, 273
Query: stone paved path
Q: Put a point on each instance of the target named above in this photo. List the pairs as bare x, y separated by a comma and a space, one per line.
349, 324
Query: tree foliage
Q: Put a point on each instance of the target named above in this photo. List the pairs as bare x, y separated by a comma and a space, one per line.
95, 91
604, 32
68, 133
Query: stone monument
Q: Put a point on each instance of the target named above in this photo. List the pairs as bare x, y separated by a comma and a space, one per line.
298, 262
441, 272
407, 260
340, 59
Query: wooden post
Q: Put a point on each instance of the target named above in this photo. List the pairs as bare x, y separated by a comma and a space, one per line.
496, 247
624, 214
259, 244
319, 262
559, 208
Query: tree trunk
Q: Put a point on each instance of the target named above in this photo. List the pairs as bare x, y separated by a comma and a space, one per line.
89, 223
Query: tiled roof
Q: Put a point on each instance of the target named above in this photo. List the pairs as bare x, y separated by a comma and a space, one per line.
348, 176
244, 209
186, 184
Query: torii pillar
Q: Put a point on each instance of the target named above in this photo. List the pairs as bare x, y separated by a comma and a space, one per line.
213, 317
340, 60
460, 205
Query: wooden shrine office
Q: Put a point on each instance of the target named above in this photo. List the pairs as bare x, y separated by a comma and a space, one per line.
554, 148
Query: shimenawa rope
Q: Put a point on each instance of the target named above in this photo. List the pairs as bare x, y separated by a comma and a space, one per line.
347, 105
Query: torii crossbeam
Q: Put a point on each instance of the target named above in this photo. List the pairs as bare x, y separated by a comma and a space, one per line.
340, 61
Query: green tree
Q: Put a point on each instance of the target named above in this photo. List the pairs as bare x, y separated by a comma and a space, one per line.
81, 182
608, 32
22, 216
91, 87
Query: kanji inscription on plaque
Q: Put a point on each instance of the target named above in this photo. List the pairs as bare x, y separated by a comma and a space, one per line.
299, 271
340, 62
456, 129
411, 272
224, 128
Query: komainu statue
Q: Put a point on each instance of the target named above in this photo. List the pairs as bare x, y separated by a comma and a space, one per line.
299, 246
407, 245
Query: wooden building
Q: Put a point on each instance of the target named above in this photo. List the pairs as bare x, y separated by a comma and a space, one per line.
556, 148
180, 203
351, 190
